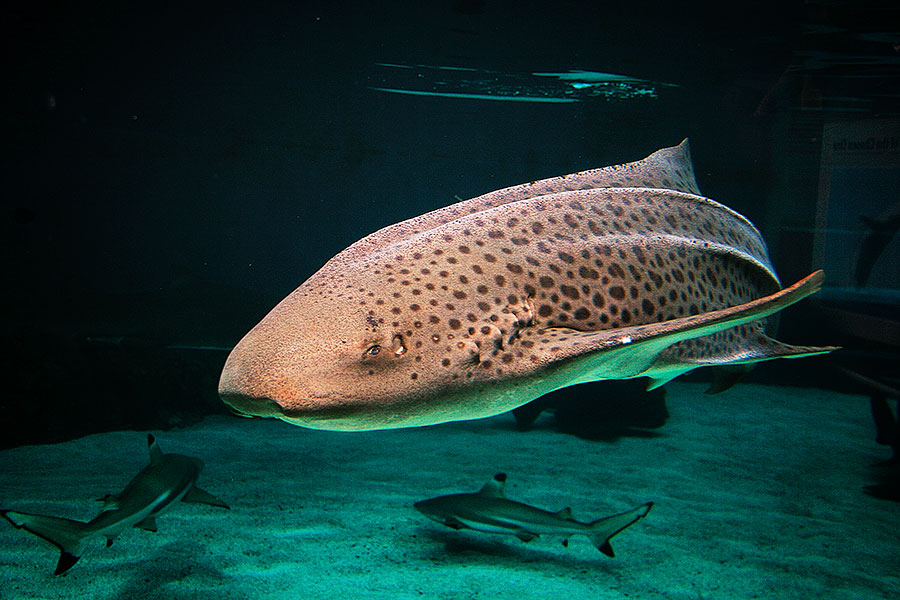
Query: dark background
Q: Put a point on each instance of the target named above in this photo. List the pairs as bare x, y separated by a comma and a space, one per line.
172, 172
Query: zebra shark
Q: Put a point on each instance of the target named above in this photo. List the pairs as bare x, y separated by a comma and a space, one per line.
482, 306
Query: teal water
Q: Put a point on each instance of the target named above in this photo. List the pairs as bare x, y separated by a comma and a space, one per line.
175, 170
758, 493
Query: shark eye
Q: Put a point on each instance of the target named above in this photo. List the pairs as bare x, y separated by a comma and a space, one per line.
373, 350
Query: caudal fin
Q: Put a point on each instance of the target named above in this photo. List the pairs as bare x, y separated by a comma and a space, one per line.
65, 534
603, 529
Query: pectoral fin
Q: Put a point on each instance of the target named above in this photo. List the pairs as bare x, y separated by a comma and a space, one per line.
525, 536
110, 501
635, 351
203, 497
148, 524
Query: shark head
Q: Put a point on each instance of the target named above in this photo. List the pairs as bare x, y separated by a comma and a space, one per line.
484, 305
448, 509
324, 359
436, 510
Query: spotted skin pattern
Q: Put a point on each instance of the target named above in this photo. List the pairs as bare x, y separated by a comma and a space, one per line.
479, 307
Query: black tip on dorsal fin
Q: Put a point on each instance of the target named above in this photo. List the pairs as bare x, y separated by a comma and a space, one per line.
500, 478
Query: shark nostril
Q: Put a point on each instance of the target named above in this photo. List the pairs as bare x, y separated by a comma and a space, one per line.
398, 346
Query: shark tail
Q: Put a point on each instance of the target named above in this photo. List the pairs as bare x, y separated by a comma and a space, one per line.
603, 529
65, 534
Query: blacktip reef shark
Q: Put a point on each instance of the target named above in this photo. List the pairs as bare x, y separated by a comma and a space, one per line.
166, 480
482, 306
490, 511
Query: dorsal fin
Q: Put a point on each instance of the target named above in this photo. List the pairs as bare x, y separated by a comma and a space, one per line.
494, 487
153, 447
566, 513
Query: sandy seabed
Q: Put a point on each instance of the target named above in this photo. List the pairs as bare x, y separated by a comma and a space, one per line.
757, 491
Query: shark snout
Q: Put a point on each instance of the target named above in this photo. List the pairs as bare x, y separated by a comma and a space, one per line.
276, 382
428, 508
257, 384
276, 397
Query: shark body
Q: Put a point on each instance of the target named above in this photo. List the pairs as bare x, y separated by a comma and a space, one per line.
479, 307
166, 480
490, 511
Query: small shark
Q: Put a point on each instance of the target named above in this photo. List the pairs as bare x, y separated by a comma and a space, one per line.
489, 510
166, 480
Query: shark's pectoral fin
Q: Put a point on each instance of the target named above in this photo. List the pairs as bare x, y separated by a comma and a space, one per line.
525, 536
110, 501
203, 497
527, 414
627, 352
148, 524
655, 382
